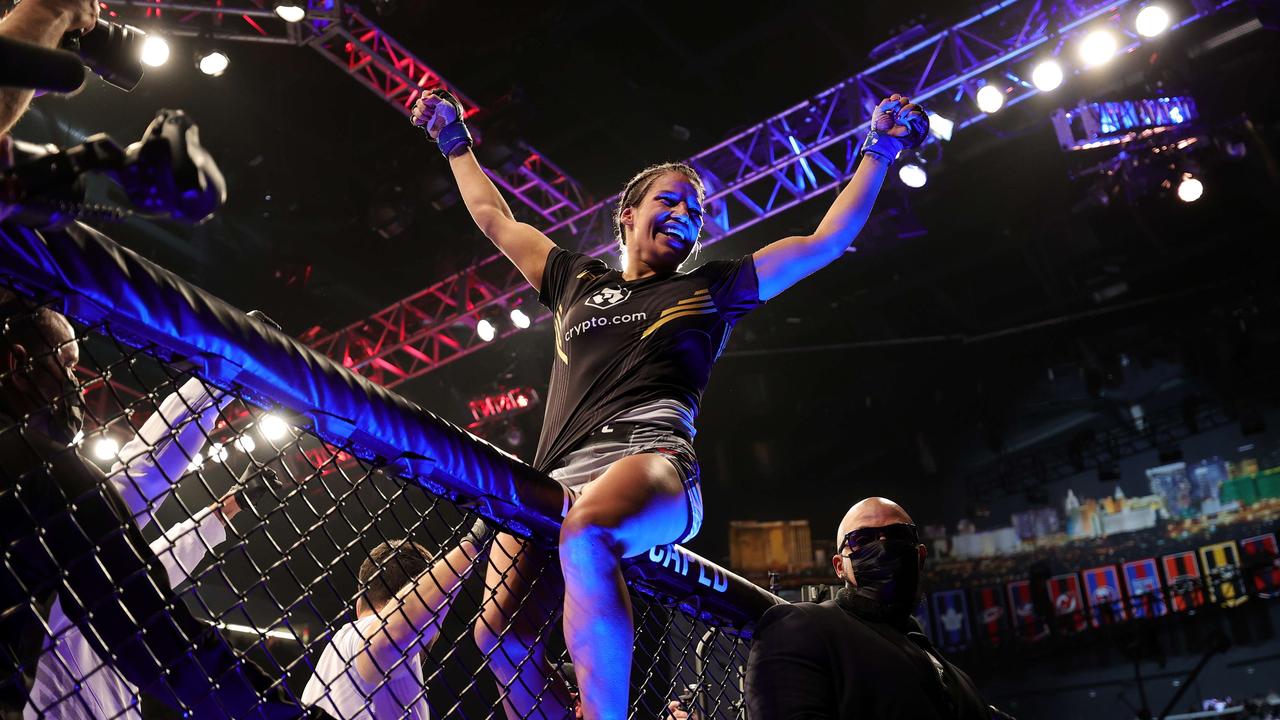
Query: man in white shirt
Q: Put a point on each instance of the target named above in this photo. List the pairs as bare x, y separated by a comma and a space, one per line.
372, 667
72, 681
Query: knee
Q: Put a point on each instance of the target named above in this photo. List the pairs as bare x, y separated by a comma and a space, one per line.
587, 534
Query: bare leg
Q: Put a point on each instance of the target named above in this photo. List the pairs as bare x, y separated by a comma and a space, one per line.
637, 503
524, 589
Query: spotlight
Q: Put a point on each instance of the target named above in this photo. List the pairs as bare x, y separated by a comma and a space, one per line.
197, 462
1047, 76
1098, 47
218, 452
486, 330
289, 11
913, 175
989, 98
941, 127
1190, 189
519, 319
155, 51
106, 448
273, 427
1151, 21
245, 444
213, 63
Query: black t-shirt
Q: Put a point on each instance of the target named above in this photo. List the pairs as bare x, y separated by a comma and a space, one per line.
621, 344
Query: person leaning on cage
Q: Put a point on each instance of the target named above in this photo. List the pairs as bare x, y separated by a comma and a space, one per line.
71, 680
862, 654
633, 353
372, 667
69, 536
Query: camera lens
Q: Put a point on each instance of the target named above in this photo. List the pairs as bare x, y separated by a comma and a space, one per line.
112, 51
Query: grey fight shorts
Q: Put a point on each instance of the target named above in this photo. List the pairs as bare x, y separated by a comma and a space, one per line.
614, 441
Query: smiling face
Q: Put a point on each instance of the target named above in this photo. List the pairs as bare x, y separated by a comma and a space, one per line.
660, 230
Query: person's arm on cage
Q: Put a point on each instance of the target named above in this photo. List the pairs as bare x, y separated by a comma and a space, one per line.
411, 621
896, 125
153, 461
43, 23
182, 547
441, 117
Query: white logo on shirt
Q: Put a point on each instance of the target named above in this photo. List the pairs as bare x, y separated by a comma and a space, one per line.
608, 297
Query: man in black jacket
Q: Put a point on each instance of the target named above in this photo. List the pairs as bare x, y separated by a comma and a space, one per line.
68, 534
861, 655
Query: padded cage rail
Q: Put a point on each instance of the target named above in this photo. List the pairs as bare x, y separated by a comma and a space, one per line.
243, 528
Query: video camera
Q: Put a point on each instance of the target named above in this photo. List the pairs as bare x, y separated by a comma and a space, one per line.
165, 174
112, 51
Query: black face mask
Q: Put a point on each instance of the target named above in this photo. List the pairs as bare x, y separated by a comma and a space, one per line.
67, 419
887, 571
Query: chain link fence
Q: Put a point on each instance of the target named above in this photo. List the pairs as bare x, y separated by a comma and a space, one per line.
228, 534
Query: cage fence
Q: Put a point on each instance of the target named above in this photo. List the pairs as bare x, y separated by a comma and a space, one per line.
242, 529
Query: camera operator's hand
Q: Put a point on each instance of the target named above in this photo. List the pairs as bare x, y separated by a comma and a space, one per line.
65, 15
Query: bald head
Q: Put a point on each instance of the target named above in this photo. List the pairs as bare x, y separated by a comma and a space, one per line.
872, 512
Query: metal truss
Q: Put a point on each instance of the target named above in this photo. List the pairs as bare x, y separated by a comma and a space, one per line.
352, 42
803, 152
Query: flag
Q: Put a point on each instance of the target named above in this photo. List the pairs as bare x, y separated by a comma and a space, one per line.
991, 614
1260, 555
1182, 577
951, 619
1146, 594
1068, 606
1222, 573
1102, 592
1026, 623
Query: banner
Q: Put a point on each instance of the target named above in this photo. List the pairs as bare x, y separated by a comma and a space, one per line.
1182, 578
989, 608
1102, 592
1222, 573
951, 620
1260, 555
1027, 624
1146, 594
1068, 605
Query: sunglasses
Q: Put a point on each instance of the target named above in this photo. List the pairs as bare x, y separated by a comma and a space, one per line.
897, 531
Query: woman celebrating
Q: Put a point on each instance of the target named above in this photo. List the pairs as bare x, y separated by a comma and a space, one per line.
634, 350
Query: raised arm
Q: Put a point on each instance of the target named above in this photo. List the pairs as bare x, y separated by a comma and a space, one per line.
411, 620
524, 245
158, 455
786, 262
43, 23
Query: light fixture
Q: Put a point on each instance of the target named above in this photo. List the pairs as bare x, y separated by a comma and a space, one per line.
273, 427
1151, 21
289, 11
245, 444
1047, 75
106, 448
1098, 47
212, 63
197, 462
155, 51
218, 452
989, 99
913, 175
486, 330
941, 127
1190, 189
519, 319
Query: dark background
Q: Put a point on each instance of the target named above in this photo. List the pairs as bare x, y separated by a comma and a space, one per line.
880, 375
